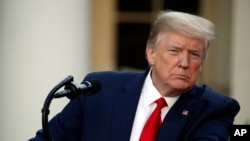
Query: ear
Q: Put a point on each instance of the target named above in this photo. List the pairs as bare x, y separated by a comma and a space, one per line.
150, 55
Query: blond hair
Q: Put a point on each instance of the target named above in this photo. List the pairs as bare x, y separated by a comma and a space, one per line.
183, 23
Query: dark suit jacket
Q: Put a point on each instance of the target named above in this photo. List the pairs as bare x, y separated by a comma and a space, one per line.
199, 114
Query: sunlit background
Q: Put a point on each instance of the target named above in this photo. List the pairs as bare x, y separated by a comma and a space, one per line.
44, 41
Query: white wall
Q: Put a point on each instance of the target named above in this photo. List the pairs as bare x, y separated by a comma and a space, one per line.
240, 84
41, 42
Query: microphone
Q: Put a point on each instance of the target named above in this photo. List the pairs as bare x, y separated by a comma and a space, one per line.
73, 89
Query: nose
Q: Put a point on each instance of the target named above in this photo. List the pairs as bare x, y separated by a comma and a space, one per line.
183, 60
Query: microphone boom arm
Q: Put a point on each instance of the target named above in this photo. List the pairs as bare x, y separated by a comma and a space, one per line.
45, 109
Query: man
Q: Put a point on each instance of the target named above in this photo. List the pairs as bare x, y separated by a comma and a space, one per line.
176, 51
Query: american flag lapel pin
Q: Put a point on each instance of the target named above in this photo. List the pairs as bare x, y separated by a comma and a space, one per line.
185, 112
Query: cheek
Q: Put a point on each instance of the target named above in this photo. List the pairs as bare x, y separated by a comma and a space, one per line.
196, 69
162, 56
166, 66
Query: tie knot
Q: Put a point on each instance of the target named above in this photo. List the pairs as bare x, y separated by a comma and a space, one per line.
161, 102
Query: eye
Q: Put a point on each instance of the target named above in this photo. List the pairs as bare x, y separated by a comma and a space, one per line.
195, 55
173, 51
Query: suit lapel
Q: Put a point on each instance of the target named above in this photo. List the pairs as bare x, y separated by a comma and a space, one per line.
177, 117
125, 108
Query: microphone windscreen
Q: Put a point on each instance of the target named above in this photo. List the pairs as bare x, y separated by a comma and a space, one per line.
95, 86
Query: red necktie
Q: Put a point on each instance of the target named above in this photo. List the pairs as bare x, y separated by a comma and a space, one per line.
153, 123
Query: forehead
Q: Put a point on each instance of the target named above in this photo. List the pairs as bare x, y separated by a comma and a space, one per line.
178, 39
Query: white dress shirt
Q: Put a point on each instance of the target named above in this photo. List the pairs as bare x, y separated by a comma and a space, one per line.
146, 106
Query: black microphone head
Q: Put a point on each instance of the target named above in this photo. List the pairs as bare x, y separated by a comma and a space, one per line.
93, 85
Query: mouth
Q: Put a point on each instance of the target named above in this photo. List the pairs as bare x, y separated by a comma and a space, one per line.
181, 76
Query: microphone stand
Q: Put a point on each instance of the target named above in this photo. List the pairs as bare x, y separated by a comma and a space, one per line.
45, 109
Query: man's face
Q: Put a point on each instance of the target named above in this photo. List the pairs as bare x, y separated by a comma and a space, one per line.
176, 61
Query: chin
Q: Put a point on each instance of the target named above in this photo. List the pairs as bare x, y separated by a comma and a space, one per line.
181, 86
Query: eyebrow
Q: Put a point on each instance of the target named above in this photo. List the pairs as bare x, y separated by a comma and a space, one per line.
195, 49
